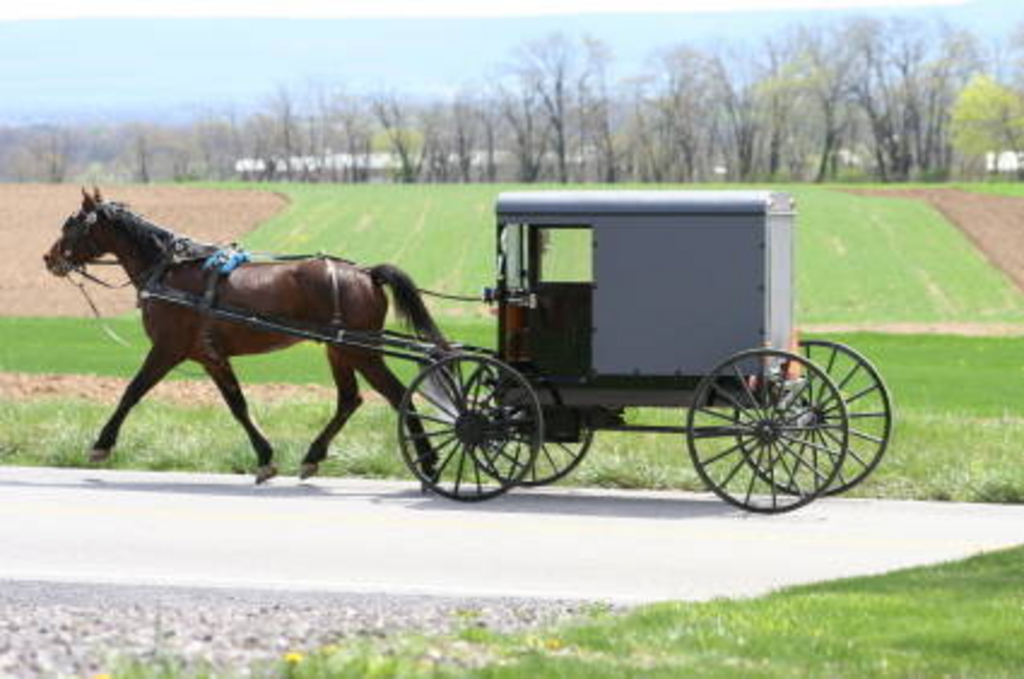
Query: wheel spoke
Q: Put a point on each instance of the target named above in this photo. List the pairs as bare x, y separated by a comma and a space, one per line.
801, 460
860, 416
832, 360
823, 449
849, 450
734, 420
728, 397
867, 437
458, 471
791, 472
443, 407
430, 418
718, 456
447, 459
473, 384
431, 434
476, 477
771, 477
753, 476
733, 472
862, 393
849, 376
746, 388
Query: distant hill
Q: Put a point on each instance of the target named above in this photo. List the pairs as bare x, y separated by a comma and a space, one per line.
166, 69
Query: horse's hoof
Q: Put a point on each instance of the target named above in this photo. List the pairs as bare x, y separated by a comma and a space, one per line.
265, 473
308, 469
100, 454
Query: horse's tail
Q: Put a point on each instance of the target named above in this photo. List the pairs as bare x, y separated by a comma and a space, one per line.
408, 302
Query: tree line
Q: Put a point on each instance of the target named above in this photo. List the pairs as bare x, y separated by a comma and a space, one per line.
859, 99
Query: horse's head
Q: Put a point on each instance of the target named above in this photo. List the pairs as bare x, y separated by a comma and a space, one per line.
79, 241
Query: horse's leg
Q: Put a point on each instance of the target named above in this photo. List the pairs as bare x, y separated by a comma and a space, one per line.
348, 401
384, 381
224, 377
159, 361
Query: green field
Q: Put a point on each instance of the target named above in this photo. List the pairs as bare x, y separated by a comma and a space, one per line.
859, 259
960, 401
952, 394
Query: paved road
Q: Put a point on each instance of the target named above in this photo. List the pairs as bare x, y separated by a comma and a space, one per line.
354, 536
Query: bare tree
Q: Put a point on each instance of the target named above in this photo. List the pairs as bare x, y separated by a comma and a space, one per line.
596, 110
825, 66
142, 154
529, 137
738, 102
393, 116
548, 68
465, 122
681, 107
282, 110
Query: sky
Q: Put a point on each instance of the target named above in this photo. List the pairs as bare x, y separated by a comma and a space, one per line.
344, 9
170, 60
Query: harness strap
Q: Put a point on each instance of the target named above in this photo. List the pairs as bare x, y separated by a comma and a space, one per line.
332, 273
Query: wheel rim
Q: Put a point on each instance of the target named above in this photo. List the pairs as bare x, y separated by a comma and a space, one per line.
868, 407
557, 458
767, 431
469, 427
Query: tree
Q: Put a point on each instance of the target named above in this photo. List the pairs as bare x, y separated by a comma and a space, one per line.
825, 66
736, 94
989, 117
529, 138
596, 110
393, 115
548, 68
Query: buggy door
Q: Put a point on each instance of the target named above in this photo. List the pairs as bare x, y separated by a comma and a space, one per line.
560, 315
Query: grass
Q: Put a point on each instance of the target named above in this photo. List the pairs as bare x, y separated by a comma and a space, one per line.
80, 346
960, 420
953, 620
1013, 189
860, 259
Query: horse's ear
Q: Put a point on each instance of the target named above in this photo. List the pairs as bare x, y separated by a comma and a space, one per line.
97, 196
88, 202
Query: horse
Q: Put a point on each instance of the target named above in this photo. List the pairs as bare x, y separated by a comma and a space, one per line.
318, 291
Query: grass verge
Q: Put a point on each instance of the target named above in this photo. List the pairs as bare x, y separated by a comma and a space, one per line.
959, 425
958, 619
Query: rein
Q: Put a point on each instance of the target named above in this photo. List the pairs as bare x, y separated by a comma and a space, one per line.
81, 271
445, 295
92, 305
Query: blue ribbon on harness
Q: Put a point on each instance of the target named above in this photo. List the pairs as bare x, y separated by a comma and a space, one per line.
226, 260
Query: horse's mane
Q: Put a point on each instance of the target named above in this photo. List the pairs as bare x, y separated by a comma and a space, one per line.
152, 240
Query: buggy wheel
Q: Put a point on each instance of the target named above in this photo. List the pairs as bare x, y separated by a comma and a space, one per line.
868, 408
469, 427
767, 431
557, 458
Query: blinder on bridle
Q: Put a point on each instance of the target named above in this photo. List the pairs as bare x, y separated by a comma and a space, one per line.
74, 242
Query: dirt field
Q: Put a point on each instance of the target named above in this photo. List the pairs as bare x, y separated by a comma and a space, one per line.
995, 224
108, 390
31, 216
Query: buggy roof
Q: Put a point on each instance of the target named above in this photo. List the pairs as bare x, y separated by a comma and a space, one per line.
511, 205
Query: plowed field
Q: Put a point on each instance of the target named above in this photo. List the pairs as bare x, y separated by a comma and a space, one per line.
995, 224
31, 216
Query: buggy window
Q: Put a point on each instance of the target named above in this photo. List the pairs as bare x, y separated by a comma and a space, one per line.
511, 257
565, 255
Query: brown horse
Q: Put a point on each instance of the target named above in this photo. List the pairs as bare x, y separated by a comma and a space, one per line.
320, 291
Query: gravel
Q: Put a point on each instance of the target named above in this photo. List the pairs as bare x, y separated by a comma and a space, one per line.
58, 630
